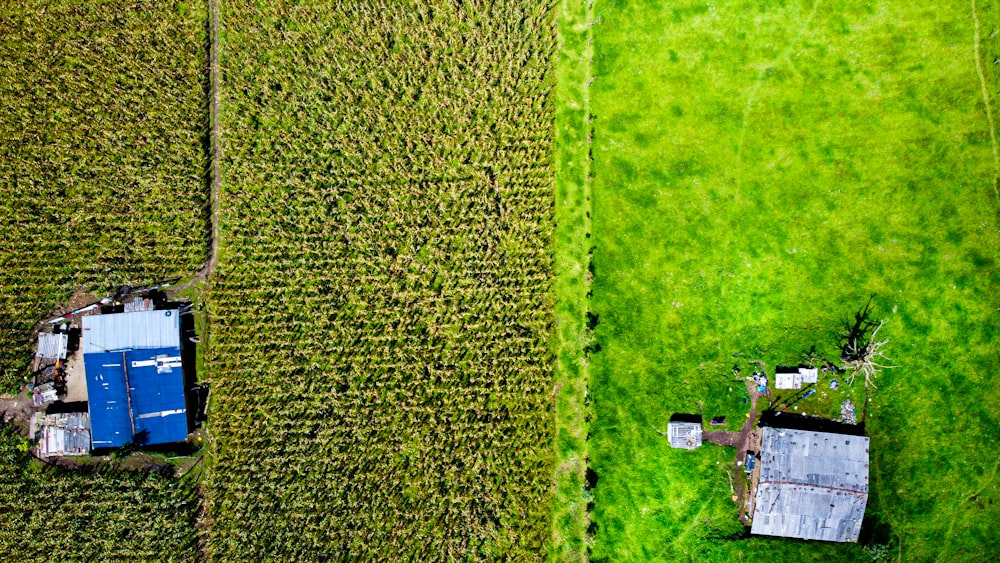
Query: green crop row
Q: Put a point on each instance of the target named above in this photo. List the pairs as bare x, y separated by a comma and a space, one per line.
381, 374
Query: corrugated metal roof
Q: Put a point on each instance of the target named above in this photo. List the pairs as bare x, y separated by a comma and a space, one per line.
156, 386
685, 435
108, 399
791, 380
51, 346
813, 485
152, 402
131, 331
61, 434
809, 375
139, 304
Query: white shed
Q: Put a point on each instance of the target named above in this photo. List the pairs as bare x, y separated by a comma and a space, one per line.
685, 435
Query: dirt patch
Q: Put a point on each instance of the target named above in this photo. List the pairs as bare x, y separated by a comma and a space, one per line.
76, 378
721, 437
748, 439
17, 410
81, 298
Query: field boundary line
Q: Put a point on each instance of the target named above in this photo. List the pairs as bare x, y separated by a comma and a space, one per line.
986, 100
572, 339
213, 70
207, 273
214, 102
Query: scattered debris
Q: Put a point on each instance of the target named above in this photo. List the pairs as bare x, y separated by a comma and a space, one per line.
848, 414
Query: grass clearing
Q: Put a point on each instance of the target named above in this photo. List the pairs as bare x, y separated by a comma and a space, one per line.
759, 171
572, 261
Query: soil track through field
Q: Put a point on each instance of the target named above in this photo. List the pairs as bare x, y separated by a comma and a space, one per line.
212, 260
740, 440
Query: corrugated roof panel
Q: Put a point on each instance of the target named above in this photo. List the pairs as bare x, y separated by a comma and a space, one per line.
813, 485
107, 395
51, 346
131, 331
157, 392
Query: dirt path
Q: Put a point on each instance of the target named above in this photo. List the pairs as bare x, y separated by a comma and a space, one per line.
208, 270
744, 440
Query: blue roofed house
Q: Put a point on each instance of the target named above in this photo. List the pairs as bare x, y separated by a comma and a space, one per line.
135, 378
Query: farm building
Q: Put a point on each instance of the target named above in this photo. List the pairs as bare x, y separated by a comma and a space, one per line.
683, 434
135, 378
60, 434
51, 347
793, 378
812, 485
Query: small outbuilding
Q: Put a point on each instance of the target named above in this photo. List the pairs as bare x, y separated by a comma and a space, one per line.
684, 435
63, 434
51, 346
812, 485
793, 378
809, 375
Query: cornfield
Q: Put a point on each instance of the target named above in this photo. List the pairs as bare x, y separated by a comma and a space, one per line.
381, 376
102, 163
380, 367
102, 182
53, 514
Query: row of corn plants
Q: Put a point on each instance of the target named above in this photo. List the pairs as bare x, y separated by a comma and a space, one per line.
381, 373
102, 182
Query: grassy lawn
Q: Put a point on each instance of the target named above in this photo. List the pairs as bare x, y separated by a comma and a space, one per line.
760, 169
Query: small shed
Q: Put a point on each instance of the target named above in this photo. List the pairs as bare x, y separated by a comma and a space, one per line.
812, 485
51, 346
793, 378
788, 379
684, 435
63, 434
809, 375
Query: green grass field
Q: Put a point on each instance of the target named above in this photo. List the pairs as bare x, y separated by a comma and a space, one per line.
760, 169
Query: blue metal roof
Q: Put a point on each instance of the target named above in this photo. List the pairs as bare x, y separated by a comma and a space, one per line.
136, 387
110, 425
131, 331
157, 393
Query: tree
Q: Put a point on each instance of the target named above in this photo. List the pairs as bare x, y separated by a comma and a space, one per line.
860, 351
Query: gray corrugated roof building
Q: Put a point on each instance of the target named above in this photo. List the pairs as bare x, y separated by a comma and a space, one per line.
60, 434
51, 346
131, 331
813, 485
